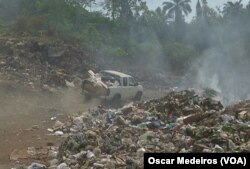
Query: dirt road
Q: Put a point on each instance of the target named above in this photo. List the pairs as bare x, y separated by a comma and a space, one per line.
25, 116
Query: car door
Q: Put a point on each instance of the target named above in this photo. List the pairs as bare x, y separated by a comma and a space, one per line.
125, 88
132, 89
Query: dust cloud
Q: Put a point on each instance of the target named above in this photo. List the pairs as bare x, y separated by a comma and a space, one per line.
24, 106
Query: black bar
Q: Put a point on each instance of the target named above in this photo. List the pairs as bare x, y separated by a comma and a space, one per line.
196, 160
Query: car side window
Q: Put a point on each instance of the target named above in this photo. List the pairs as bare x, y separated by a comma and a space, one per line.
125, 82
131, 82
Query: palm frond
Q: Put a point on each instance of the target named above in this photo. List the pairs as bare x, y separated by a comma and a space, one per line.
230, 3
171, 12
168, 5
188, 8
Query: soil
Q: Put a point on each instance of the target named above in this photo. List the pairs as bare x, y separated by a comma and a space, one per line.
28, 70
25, 116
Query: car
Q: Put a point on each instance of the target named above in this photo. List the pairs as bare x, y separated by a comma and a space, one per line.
113, 86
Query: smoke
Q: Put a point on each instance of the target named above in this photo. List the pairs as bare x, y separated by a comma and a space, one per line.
9, 9
225, 70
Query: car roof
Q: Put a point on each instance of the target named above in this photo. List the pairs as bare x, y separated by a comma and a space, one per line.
116, 73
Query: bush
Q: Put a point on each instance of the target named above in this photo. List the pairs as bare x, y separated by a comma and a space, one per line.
179, 56
22, 24
37, 23
2, 28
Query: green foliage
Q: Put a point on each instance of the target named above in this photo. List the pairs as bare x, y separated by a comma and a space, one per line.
124, 10
128, 30
2, 28
9, 10
93, 37
176, 8
179, 56
22, 24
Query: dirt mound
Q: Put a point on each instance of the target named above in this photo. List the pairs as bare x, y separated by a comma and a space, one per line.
42, 62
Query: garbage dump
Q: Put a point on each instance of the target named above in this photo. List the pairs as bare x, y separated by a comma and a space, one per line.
42, 64
180, 122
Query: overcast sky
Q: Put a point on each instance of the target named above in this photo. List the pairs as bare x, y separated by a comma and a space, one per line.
153, 4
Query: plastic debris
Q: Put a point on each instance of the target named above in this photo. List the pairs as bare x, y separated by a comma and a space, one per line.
181, 122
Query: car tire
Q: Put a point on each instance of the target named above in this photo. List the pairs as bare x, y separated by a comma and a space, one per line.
116, 101
138, 96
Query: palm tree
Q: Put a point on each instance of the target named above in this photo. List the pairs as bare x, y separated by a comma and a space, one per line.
175, 8
232, 9
158, 21
161, 14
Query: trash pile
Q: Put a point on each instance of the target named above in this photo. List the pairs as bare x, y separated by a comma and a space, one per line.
96, 79
42, 63
180, 122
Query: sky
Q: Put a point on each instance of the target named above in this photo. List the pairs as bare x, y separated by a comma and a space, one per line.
212, 3
153, 4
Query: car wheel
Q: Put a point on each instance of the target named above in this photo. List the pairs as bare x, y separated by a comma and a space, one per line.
116, 101
138, 96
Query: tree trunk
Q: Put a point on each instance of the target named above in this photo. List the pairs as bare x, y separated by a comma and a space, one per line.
178, 24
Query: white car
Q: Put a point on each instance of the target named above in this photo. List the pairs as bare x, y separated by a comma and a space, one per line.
112, 85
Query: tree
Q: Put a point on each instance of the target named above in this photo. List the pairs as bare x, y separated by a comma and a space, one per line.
198, 11
9, 10
205, 10
232, 9
126, 12
158, 21
124, 9
161, 14
234, 17
201, 29
112, 7
82, 3
176, 8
